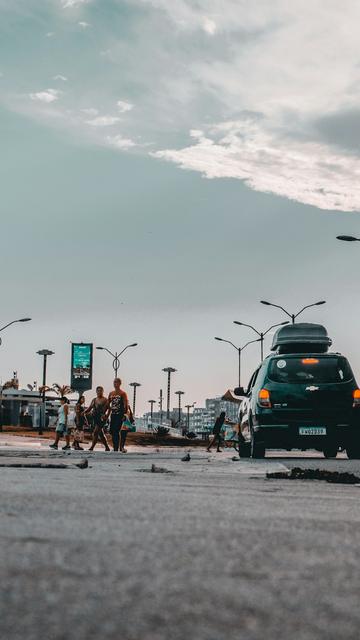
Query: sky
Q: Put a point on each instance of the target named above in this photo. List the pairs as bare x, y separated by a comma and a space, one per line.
164, 167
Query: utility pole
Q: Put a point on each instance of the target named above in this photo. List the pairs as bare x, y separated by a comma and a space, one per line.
44, 353
188, 407
134, 385
169, 371
161, 405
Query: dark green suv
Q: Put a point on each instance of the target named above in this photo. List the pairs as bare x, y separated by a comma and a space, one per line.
301, 398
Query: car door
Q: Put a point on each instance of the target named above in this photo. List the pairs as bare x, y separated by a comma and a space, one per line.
245, 411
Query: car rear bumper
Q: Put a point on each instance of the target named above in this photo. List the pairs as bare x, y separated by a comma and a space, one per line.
287, 436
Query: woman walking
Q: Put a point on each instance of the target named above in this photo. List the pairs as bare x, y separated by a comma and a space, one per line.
219, 422
118, 406
98, 407
62, 428
80, 421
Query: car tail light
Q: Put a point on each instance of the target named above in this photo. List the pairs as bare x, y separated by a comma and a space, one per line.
356, 398
264, 398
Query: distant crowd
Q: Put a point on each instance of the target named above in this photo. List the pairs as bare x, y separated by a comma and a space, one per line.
113, 410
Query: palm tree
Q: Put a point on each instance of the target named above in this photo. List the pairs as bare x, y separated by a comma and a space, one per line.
62, 390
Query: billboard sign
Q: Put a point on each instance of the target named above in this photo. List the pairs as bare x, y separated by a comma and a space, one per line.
81, 366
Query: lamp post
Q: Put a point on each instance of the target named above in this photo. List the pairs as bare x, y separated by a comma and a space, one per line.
179, 394
239, 350
116, 356
152, 402
169, 371
134, 385
262, 334
161, 405
188, 407
44, 353
348, 238
14, 322
293, 316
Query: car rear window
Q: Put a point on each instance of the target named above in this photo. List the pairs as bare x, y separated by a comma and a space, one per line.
310, 369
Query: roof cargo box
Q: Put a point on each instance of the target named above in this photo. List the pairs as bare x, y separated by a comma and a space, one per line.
302, 337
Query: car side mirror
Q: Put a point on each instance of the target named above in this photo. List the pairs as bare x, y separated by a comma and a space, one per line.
240, 392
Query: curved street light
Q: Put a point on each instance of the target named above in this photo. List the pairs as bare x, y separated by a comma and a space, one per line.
293, 316
116, 356
239, 350
261, 334
14, 322
348, 238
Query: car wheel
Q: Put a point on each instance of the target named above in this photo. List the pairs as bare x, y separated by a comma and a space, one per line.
244, 449
353, 451
330, 451
257, 449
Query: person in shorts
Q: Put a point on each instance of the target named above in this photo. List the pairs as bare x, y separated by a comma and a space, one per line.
98, 409
126, 426
62, 429
118, 407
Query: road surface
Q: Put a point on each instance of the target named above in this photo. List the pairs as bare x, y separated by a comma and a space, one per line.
208, 550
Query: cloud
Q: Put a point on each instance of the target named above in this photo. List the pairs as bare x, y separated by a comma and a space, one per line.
68, 4
50, 34
124, 106
84, 25
120, 143
60, 77
103, 121
90, 111
209, 26
50, 95
307, 172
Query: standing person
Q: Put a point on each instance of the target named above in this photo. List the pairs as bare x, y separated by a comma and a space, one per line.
118, 406
80, 421
126, 426
98, 407
219, 422
62, 428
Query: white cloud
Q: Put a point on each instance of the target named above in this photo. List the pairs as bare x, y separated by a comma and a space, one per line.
307, 172
209, 26
73, 3
60, 77
50, 34
90, 111
83, 24
50, 95
120, 143
124, 106
103, 121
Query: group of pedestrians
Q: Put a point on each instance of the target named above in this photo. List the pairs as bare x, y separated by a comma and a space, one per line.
114, 409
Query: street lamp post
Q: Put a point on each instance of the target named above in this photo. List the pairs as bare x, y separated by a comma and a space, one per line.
151, 402
188, 407
293, 316
134, 385
169, 371
239, 350
14, 322
261, 334
44, 353
116, 356
179, 394
161, 405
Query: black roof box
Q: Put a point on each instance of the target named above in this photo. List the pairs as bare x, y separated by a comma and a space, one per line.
301, 337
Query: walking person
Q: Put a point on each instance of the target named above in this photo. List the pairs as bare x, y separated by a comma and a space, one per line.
217, 439
127, 425
98, 408
118, 406
80, 421
62, 428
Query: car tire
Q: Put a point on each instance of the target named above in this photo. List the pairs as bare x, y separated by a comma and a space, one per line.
244, 449
330, 451
257, 448
353, 451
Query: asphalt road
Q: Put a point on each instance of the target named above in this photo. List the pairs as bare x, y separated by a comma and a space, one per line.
210, 550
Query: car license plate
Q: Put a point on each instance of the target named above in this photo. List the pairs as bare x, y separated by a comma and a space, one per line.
312, 431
